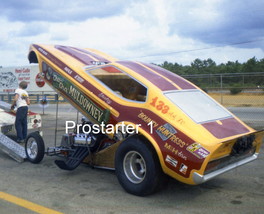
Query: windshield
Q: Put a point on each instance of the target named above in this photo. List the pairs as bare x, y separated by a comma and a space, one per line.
198, 106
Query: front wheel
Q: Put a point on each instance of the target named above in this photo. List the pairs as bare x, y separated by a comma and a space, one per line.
34, 147
137, 167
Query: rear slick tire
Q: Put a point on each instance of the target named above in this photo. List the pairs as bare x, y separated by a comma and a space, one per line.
137, 167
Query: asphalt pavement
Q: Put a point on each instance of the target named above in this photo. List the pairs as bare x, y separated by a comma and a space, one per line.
42, 187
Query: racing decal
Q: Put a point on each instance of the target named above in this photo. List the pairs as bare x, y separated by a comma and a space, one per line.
79, 79
176, 118
164, 109
166, 131
171, 161
74, 94
173, 144
105, 98
175, 151
183, 168
160, 105
147, 120
197, 150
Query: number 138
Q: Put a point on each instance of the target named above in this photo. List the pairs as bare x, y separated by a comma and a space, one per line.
159, 105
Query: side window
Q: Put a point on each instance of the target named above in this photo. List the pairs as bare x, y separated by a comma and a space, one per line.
121, 83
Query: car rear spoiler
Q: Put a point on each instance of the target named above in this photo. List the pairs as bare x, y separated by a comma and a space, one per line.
258, 135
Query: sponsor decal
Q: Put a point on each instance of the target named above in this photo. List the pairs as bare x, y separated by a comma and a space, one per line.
42, 51
147, 119
171, 161
150, 123
176, 118
79, 79
183, 168
175, 151
75, 95
167, 131
105, 98
68, 70
197, 150
98, 63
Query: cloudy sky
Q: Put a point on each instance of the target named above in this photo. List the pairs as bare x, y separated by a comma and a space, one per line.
143, 30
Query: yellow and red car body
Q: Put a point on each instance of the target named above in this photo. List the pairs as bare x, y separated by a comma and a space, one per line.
194, 137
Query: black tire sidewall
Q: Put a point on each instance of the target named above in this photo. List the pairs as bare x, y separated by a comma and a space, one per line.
40, 145
153, 169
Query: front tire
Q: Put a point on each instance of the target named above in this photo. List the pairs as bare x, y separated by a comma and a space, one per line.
35, 148
137, 167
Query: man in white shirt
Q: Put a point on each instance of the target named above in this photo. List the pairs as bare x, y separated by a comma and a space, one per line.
21, 101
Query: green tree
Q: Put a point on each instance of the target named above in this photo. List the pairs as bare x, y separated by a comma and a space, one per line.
208, 66
251, 65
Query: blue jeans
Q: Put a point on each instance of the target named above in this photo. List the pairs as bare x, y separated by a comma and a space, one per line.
21, 122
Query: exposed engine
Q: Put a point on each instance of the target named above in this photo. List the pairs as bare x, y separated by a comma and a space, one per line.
80, 138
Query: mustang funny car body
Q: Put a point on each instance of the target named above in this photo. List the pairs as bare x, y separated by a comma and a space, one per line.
181, 131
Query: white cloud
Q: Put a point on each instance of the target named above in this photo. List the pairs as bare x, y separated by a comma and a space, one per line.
160, 29
60, 10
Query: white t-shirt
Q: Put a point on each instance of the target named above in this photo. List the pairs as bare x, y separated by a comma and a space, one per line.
22, 96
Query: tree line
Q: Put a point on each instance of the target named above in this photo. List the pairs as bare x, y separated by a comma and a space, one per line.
232, 75
209, 66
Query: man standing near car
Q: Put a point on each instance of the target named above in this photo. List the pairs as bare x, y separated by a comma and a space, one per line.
21, 101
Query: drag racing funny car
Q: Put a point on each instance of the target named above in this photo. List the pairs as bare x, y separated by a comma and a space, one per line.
143, 121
